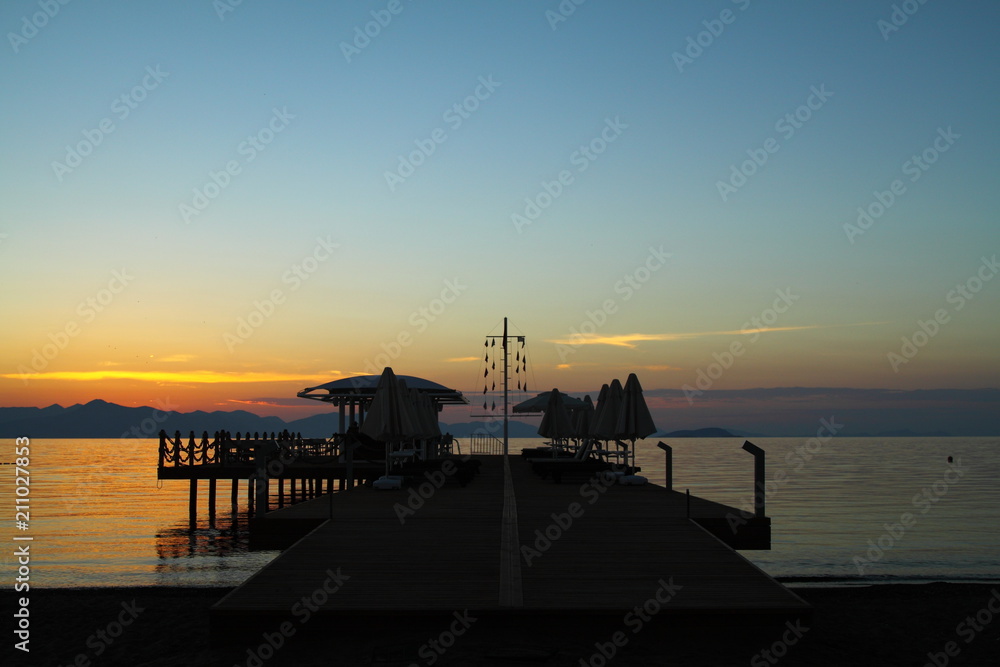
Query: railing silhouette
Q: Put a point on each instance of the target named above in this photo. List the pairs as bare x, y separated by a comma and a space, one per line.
225, 450
484, 443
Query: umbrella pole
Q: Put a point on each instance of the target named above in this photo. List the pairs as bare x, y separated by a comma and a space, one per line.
505, 389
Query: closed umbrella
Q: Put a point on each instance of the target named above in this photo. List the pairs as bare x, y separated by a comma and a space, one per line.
556, 423
541, 401
583, 419
634, 420
390, 417
606, 419
608, 407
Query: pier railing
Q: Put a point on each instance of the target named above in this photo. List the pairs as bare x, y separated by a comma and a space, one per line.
484, 443
223, 449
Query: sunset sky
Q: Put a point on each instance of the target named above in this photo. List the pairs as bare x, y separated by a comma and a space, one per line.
216, 209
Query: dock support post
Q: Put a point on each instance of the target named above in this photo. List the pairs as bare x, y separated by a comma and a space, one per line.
281, 492
211, 501
193, 503
668, 466
758, 477
260, 481
250, 494
235, 499
261, 491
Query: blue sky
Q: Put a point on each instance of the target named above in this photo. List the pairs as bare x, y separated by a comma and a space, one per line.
344, 124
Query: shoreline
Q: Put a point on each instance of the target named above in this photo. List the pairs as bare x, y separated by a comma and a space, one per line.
877, 624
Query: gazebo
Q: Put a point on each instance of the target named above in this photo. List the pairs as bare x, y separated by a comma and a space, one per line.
353, 395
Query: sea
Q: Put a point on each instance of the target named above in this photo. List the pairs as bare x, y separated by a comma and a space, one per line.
844, 512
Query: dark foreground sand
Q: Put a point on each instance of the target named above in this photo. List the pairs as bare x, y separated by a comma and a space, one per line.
879, 625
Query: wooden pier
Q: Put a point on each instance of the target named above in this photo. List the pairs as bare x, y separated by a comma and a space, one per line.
507, 543
308, 466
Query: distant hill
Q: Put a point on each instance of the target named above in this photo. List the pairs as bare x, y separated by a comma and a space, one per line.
100, 419
698, 433
903, 433
515, 429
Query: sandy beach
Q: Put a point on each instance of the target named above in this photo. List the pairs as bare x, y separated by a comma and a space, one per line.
876, 625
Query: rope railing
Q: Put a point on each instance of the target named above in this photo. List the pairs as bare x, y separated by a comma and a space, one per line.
224, 449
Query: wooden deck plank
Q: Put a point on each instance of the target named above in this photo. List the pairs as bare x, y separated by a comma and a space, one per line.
448, 554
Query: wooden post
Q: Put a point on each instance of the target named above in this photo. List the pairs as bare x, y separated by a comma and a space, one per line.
669, 465
758, 477
193, 503
260, 479
211, 500
235, 499
281, 492
250, 494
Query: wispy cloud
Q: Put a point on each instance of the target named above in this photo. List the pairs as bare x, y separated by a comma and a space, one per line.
461, 359
166, 377
172, 358
630, 340
661, 367
268, 402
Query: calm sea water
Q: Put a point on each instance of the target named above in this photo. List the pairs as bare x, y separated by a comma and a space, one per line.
111, 523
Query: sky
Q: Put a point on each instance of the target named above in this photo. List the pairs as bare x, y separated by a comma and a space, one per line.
213, 205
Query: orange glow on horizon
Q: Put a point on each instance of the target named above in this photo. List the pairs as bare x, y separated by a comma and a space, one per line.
169, 377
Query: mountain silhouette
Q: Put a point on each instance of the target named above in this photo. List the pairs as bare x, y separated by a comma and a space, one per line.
100, 419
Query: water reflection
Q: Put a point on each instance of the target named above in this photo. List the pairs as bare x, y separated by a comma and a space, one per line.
112, 523
207, 538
